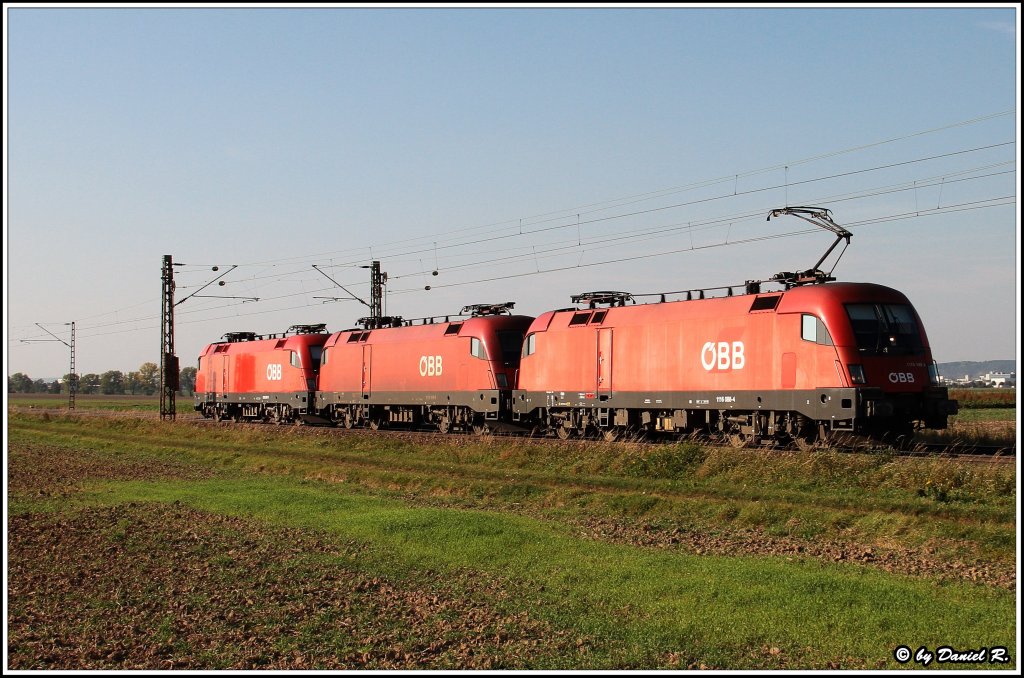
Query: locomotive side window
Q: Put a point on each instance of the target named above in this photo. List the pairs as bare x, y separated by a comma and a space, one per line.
812, 329
530, 345
476, 349
323, 356
295, 359
882, 329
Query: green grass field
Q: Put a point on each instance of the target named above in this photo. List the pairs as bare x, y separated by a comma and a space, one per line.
91, 401
485, 553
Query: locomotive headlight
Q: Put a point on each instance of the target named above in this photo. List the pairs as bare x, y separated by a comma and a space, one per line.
857, 374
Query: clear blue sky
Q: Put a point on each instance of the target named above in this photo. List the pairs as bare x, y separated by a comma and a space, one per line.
278, 138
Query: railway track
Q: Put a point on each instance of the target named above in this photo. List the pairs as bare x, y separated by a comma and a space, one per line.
960, 450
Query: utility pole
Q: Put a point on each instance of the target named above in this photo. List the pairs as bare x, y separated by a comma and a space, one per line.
169, 372
168, 361
72, 378
377, 280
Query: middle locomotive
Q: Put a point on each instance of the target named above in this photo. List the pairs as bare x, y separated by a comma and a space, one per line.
453, 375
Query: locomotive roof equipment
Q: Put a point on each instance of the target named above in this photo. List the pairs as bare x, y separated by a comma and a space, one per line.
822, 218
482, 310
308, 329
232, 337
603, 297
375, 323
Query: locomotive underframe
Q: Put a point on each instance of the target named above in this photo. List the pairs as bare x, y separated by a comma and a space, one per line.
743, 416
459, 410
280, 407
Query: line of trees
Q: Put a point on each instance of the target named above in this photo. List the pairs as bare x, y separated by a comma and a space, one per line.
144, 381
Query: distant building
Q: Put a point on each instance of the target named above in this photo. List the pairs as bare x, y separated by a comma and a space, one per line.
1000, 379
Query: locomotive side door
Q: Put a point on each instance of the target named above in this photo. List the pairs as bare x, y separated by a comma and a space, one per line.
367, 350
211, 375
604, 362
224, 374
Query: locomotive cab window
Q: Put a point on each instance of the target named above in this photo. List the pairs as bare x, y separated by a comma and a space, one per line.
476, 349
323, 356
530, 345
317, 356
511, 344
812, 329
885, 329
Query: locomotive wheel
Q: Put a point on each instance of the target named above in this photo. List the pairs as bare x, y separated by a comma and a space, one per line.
444, 425
804, 443
610, 435
563, 432
347, 421
375, 424
481, 429
738, 440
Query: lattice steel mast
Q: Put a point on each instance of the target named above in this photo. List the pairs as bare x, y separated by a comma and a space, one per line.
72, 377
168, 361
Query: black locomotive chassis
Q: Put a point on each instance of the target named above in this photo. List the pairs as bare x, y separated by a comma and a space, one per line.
482, 402
297, 399
839, 408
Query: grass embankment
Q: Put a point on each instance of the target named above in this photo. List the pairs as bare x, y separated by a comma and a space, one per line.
91, 401
987, 416
508, 527
984, 398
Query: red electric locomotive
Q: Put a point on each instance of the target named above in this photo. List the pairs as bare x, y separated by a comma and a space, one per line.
456, 374
798, 365
256, 378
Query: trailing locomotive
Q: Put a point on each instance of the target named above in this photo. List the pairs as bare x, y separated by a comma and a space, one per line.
260, 378
811, 363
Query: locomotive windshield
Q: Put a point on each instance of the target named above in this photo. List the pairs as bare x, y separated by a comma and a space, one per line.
315, 353
511, 346
885, 329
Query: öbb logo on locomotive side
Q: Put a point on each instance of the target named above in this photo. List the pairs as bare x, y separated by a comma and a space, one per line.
430, 366
723, 355
901, 377
274, 372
